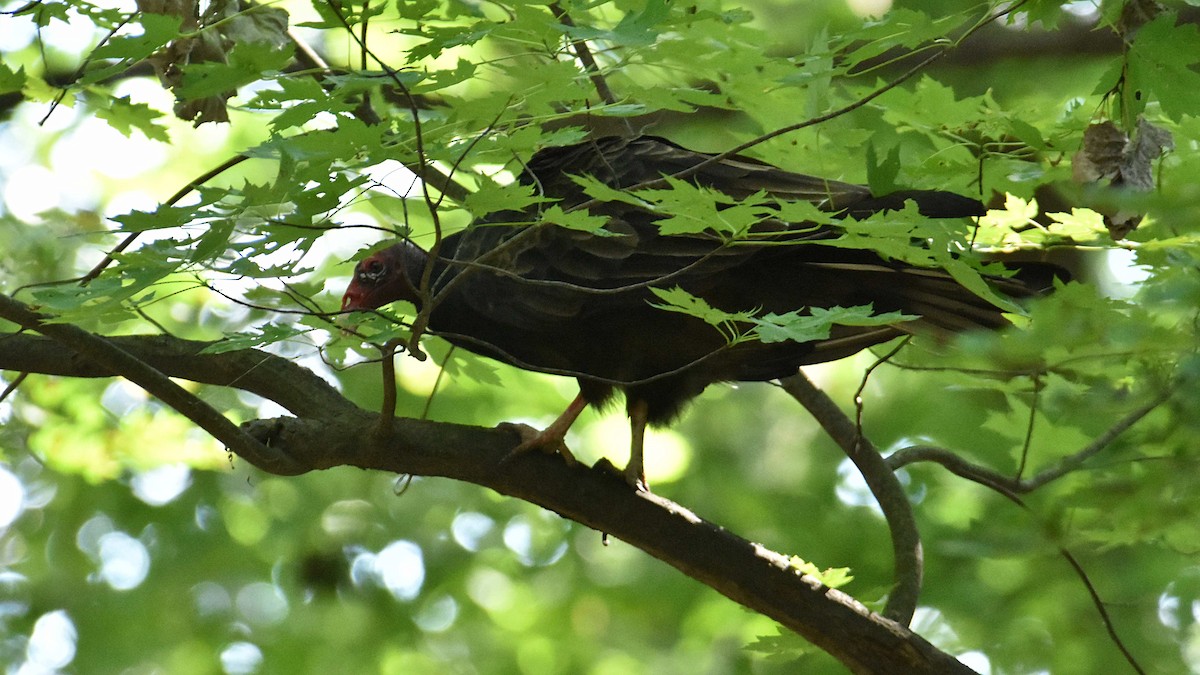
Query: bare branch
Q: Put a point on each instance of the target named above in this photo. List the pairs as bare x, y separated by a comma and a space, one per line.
153, 381
271, 377
882, 481
584, 54
1011, 486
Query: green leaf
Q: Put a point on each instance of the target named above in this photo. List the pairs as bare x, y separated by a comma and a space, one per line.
161, 218
213, 242
157, 30
833, 577
11, 80
1080, 225
125, 117
248, 62
816, 323
575, 220
678, 300
635, 29
491, 197
1027, 133
686, 208
265, 335
971, 279
603, 192
1162, 62
445, 38
1012, 225
881, 175
898, 28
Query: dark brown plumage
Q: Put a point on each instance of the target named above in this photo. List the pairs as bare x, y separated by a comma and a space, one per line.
566, 301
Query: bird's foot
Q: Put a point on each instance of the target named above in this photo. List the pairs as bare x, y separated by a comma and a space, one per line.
546, 441
632, 476
636, 478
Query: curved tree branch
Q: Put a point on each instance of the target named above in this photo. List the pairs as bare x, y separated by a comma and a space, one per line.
906, 541
331, 431
106, 354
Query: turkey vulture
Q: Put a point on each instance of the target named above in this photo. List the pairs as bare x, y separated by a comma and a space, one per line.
568, 301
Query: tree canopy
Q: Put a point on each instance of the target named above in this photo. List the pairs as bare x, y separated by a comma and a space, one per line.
206, 467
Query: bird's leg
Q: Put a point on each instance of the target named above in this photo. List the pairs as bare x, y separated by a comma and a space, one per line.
634, 473
552, 438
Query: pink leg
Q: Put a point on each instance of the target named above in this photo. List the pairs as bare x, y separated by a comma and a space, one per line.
551, 439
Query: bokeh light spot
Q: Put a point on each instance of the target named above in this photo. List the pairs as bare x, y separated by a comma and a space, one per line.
124, 561
51, 644
12, 497
162, 484
241, 658
401, 568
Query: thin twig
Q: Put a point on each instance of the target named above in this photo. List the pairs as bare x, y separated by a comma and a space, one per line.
387, 409
437, 382
1033, 407
813, 121
12, 386
1098, 602
584, 54
179, 194
862, 385
1011, 486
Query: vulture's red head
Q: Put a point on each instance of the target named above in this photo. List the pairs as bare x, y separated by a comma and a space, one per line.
385, 276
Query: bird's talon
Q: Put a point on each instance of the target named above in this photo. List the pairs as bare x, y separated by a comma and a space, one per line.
636, 481
532, 439
633, 479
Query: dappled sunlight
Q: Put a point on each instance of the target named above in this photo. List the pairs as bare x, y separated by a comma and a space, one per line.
12, 497
491, 590
241, 658
399, 568
211, 599
538, 539
15, 596
124, 561
668, 454
607, 564
437, 615
51, 644
347, 518
161, 485
852, 488
469, 528
261, 604
869, 8
29, 192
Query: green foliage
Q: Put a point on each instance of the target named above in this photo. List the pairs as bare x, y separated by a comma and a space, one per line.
309, 573
1162, 63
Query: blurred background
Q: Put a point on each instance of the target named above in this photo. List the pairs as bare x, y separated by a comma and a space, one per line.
131, 542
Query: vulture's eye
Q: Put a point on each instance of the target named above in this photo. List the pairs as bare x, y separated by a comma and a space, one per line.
371, 270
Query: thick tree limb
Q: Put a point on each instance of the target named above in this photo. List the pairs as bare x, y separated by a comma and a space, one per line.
105, 353
272, 377
333, 432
